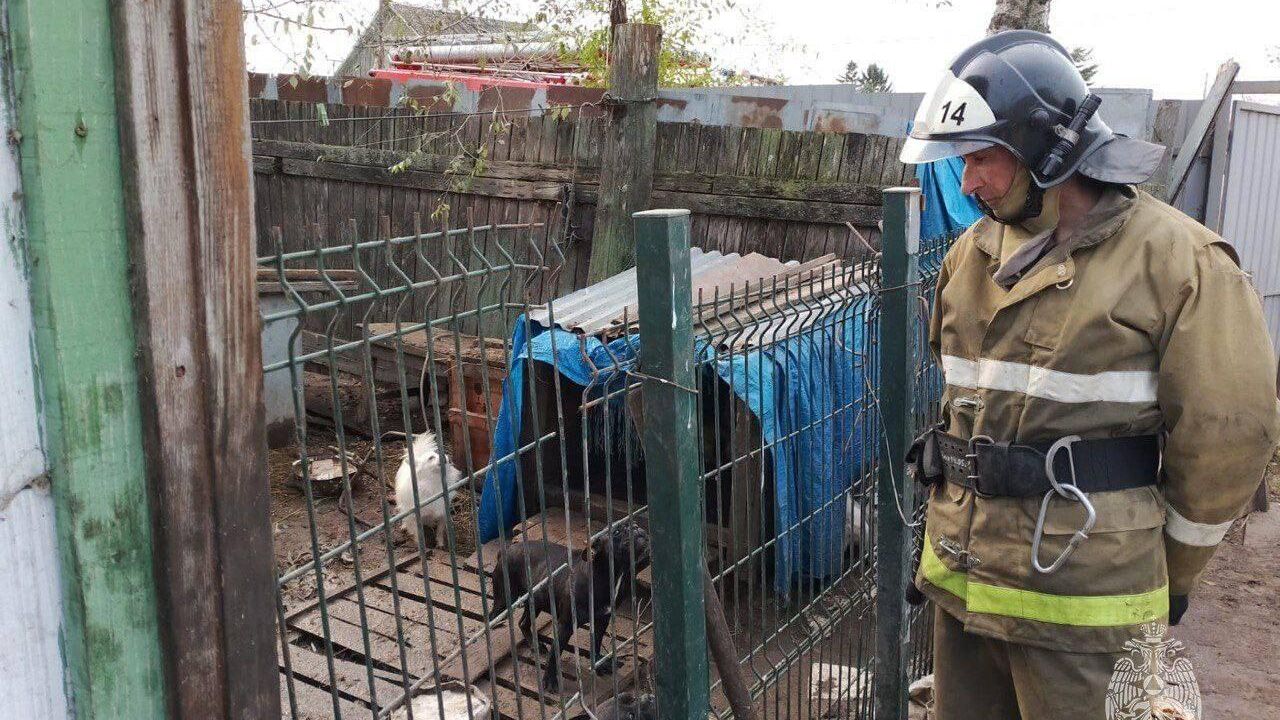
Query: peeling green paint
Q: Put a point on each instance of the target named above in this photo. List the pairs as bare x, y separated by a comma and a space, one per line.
84, 338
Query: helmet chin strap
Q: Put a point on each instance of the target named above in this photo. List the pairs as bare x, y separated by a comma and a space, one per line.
1031, 207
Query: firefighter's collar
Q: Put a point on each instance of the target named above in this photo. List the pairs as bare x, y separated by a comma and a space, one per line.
1106, 218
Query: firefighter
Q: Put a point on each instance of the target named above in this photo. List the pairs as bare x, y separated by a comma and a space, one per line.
1110, 400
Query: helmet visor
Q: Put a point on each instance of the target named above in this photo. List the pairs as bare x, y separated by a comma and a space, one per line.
917, 151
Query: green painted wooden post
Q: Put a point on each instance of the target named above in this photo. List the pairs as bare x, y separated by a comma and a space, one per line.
84, 337
900, 283
671, 457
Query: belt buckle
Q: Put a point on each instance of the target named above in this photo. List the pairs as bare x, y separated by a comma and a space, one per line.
972, 457
1069, 491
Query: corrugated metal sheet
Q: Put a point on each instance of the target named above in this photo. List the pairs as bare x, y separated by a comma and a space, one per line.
598, 307
1250, 221
771, 298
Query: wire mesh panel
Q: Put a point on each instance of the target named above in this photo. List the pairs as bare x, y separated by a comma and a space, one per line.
402, 373
788, 437
927, 412
460, 506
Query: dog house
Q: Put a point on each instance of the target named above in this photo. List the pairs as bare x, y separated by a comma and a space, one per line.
782, 363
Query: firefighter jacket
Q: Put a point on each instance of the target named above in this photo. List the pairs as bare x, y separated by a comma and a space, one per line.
1140, 323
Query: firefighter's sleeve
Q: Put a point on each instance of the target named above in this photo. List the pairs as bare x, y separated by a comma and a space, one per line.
1217, 392
935, 310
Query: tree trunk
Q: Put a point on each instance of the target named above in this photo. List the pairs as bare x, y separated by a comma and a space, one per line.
1020, 15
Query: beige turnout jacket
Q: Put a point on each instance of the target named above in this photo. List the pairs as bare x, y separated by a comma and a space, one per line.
1140, 323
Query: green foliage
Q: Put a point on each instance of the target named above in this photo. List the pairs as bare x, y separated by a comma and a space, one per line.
850, 74
684, 29
1083, 59
872, 80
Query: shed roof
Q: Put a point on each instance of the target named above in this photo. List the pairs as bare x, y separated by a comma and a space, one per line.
746, 298
402, 23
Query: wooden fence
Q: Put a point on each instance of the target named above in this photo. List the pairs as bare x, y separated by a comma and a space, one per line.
786, 194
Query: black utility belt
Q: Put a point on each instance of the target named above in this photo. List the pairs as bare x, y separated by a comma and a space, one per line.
1003, 469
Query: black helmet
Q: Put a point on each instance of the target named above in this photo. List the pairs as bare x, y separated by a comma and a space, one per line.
1020, 90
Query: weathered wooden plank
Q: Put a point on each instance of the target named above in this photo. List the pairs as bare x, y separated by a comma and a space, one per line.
788, 154
565, 138
730, 148
873, 166
687, 144
789, 210
701, 179
894, 172
350, 678
801, 190
519, 139
547, 146
1213, 102
314, 703
425, 627
438, 182
831, 155
471, 611
348, 629
711, 139
265, 165
809, 156
855, 147
770, 141
815, 211
665, 152
749, 153
182, 104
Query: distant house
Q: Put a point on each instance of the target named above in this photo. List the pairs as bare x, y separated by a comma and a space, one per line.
444, 37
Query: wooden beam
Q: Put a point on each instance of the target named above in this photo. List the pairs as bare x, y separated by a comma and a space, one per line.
84, 342
1219, 158
1256, 87
182, 105
1199, 131
265, 165
428, 172
766, 198
626, 167
439, 182
769, 208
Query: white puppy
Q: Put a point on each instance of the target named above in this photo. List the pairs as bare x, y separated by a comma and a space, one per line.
433, 471
853, 527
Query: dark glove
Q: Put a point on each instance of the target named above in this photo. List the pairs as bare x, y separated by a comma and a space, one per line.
914, 596
1178, 605
924, 457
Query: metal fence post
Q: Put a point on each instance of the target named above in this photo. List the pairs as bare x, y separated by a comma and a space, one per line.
671, 457
899, 282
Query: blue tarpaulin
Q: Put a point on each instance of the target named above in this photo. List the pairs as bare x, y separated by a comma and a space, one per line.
806, 392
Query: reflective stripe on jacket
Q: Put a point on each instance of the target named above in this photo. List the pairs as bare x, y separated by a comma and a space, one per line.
1140, 323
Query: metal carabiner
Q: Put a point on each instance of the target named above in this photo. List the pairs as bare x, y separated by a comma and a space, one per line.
1079, 537
1069, 491
1062, 444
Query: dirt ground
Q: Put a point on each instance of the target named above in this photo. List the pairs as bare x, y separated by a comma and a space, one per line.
291, 523
1230, 630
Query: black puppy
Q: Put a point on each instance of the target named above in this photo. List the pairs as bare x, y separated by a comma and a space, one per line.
598, 580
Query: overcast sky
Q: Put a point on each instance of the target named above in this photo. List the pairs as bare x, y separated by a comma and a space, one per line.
1171, 46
